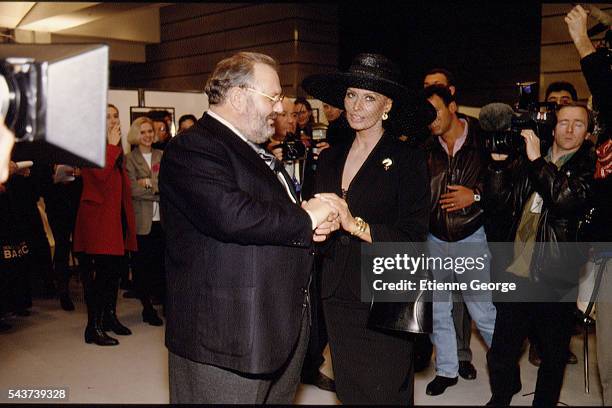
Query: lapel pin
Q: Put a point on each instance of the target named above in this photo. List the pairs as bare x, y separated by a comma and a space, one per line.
387, 163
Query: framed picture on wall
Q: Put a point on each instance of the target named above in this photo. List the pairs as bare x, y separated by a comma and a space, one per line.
154, 112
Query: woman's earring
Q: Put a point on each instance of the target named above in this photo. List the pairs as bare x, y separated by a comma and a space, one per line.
385, 116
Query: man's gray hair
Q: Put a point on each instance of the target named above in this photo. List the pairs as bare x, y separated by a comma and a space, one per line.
236, 70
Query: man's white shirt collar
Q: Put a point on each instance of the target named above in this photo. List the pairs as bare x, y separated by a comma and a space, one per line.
226, 123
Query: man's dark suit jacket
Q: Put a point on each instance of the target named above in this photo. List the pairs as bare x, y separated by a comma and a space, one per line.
238, 253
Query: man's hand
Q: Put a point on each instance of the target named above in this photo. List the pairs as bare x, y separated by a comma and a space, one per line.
15, 170
347, 221
532, 144
114, 135
499, 156
576, 21
320, 147
330, 225
12, 168
276, 150
458, 199
320, 210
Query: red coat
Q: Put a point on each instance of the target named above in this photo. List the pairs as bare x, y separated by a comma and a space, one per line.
98, 224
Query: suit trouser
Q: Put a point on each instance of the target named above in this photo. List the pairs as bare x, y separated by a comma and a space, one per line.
604, 334
551, 325
318, 331
149, 277
197, 383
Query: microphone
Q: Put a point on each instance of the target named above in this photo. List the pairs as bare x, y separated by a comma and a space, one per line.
495, 117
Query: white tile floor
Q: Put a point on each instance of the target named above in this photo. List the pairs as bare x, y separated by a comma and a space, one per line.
47, 349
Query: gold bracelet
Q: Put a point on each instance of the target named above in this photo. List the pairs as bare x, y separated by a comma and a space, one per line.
361, 226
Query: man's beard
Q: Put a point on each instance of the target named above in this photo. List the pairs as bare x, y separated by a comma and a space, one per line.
257, 129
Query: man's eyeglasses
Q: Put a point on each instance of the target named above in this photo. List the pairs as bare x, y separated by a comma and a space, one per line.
274, 99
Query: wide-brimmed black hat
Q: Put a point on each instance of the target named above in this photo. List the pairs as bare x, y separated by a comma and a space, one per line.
376, 73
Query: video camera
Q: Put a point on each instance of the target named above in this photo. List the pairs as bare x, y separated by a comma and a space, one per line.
54, 97
502, 125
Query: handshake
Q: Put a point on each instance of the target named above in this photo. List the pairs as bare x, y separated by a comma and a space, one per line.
330, 213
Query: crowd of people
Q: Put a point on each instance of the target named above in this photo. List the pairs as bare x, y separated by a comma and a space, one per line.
248, 227
101, 217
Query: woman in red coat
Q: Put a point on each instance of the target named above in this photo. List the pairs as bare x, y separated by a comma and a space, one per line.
105, 230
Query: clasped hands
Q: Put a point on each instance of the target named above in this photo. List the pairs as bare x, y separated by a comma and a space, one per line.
331, 213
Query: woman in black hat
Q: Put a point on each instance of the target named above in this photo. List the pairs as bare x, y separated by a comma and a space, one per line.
380, 187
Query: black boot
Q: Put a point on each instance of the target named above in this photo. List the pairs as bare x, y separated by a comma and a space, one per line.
66, 302
93, 331
111, 323
149, 314
62, 282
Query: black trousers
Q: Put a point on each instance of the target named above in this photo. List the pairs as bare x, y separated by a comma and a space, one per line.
62, 204
198, 383
62, 225
318, 331
149, 276
370, 367
550, 324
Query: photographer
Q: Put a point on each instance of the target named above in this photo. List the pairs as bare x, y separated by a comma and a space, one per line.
284, 131
543, 197
456, 162
304, 119
597, 71
294, 149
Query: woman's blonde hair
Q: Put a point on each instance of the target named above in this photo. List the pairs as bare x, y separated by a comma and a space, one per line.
133, 136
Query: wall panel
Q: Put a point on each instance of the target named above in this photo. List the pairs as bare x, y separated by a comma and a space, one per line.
303, 38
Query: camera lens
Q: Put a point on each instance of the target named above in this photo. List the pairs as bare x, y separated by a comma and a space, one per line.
14, 79
9, 96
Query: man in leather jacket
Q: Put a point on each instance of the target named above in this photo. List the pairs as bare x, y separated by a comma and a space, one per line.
461, 317
541, 197
456, 161
597, 70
